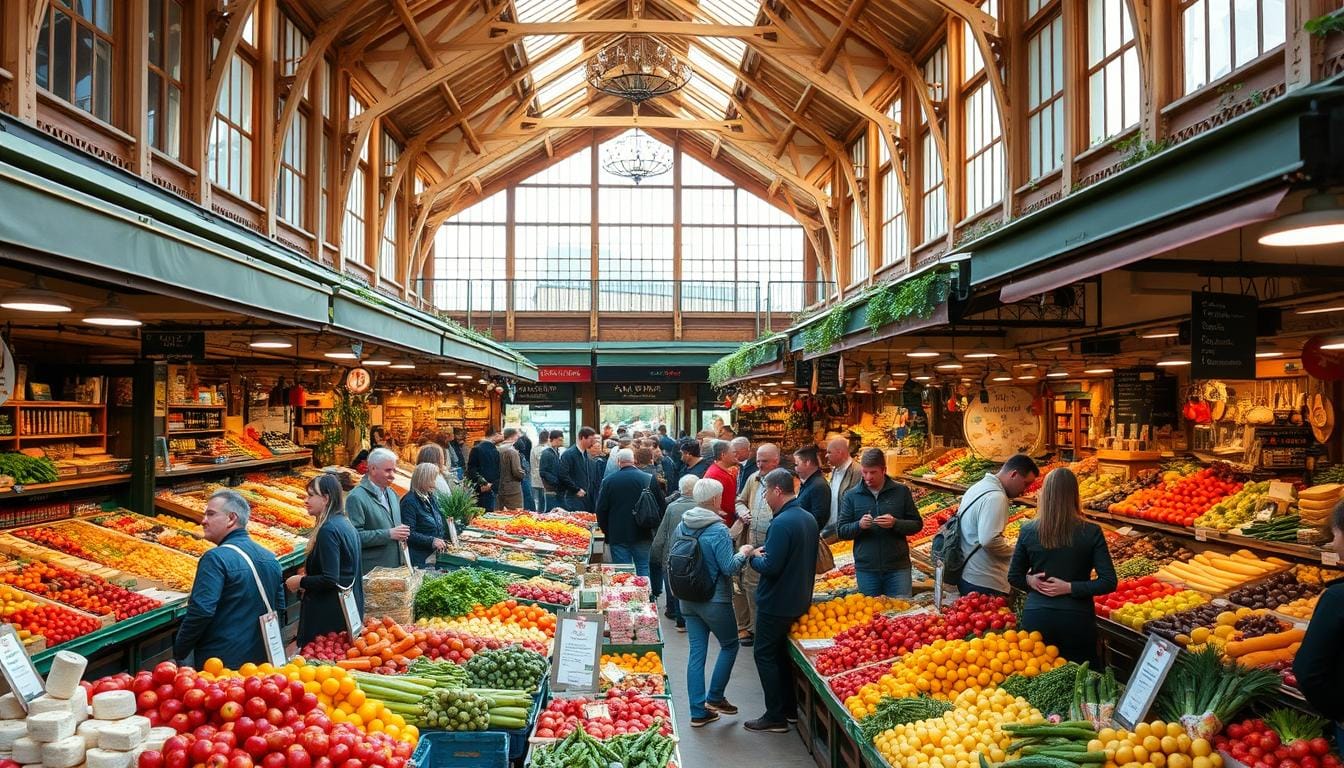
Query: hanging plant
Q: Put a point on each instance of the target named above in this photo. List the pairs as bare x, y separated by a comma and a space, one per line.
825, 334
893, 302
747, 356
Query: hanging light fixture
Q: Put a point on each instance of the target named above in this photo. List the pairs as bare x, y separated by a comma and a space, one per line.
637, 68
922, 351
1320, 222
1265, 350
403, 364
447, 373
112, 314
1099, 370
35, 297
1160, 333
267, 341
1172, 359
981, 352
635, 156
950, 364
1335, 342
1056, 372
1064, 347
923, 375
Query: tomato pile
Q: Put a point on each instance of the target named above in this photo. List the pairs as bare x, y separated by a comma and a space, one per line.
1139, 590
1255, 744
1180, 501
885, 637
85, 591
848, 683
327, 647
627, 712
58, 625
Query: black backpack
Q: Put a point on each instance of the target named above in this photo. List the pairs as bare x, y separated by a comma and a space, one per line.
646, 512
688, 574
946, 549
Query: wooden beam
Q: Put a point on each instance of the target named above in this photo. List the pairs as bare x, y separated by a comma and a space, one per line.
982, 22
23, 23
828, 54
428, 59
533, 124
137, 111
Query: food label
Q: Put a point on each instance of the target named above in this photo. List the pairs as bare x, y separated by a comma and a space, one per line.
816, 644
452, 532
1159, 654
1201, 534
1329, 558
275, 641
1125, 530
613, 673
350, 610
578, 647
17, 668
595, 710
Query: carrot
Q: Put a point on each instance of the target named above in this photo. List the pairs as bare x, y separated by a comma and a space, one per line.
405, 644
363, 664
1277, 641
1265, 658
351, 653
398, 633
415, 652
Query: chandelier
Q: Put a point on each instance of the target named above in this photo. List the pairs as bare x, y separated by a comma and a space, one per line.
637, 68
636, 157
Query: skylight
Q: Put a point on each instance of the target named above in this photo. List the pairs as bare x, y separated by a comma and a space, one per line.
740, 12
532, 11
569, 57
701, 88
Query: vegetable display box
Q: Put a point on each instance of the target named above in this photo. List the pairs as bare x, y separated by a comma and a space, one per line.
517, 738
461, 749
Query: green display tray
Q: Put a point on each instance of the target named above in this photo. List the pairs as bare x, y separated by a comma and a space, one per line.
119, 632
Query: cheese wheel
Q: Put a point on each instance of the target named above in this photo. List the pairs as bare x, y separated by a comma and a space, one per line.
89, 730
157, 736
11, 731
65, 753
141, 722
25, 750
121, 736
10, 708
107, 758
46, 703
114, 705
51, 726
66, 670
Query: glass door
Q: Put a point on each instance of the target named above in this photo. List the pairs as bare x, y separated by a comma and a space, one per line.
635, 417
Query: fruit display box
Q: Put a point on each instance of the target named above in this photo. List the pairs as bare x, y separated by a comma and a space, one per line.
465, 749
666, 699
16, 547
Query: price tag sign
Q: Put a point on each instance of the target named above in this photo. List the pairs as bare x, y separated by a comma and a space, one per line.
350, 610
543, 546
1264, 515
1125, 530
1201, 534
595, 710
938, 586
18, 670
816, 644
1329, 558
613, 673
578, 649
1159, 654
470, 534
275, 642
452, 532
405, 557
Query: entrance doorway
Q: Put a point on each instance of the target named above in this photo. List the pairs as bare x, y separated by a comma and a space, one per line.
634, 417
534, 419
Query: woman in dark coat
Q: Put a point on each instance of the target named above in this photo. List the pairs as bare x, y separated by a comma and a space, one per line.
332, 564
421, 512
1318, 666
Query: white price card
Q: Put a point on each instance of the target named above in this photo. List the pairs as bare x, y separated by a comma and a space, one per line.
1125, 530
18, 670
596, 710
354, 623
452, 532
816, 644
578, 648
275, 641
1329, 558
1159, 654
613, 673
1201, 533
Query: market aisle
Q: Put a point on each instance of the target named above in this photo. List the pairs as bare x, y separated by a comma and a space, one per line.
727, 738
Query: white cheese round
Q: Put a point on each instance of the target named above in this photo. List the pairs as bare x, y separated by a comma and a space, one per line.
51, 726
114, 705
65, 753
107, 758
25, 751
66, 670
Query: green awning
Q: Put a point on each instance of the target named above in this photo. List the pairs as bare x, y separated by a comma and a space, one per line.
662, 353
555, 353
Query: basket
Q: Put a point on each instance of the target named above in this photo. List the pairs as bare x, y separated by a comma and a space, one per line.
461, 749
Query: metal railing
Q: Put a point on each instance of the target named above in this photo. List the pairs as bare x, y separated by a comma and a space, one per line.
767, 300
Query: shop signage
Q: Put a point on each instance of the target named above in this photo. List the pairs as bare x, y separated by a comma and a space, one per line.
358, 381
802, 373
708, 397
543, 396
1222, 335
653, 373
637, 393
564, 373
8, 373
173, 345
1146, 396
1003, 426
1159, 654
828, 376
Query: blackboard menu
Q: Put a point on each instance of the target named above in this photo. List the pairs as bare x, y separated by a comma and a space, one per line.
802, 373
173, 345
1145, 396
1222, 335
545, 396
828, 375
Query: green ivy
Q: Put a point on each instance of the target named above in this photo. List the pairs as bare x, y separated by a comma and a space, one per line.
747, 356
1325, 25
824, 335
891, 302
1136, 149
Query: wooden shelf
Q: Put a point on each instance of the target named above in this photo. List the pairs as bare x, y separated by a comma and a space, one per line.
51, 404
178, 432
61, 437
196, 407
75, 483
206, 469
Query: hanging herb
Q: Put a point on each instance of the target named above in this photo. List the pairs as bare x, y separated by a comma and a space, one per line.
824, 335
894, 302
747, 356
1322, 26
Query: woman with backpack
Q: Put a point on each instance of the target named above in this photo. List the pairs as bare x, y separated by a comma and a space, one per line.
700, 567
1053, 563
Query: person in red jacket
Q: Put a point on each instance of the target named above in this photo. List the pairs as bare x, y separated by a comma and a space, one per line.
723, 467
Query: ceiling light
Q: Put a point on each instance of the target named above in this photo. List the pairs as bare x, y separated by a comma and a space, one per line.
340, 354
269, 341
1333, 342
1173, 360
1098, 370
636, 157
1320, 222
447, 373
1002, 377
1321, 310
464, 376
1265, 350
403, 364
981, 352
923, 376
1027, 377
1025, 364
376, 362
1056, 372
35, 297
786, 382
899, 373
112, 315
1160, 333
922, 351
949, 365
772, 384
637, 68
1057, 348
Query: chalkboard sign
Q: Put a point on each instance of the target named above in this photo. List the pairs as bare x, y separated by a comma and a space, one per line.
543, 396
828, 376
802, 373
1222, 335
173, 345
1145, 396
637, 393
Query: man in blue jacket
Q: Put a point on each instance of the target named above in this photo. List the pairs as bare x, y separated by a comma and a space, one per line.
575, 475
787, 565
226, 604
877, 515
550, 468
483, 468
814, 493
616, 501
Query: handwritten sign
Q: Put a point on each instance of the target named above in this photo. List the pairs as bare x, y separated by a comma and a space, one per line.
637, 393
452, 532
1222, 335
1146, 396
173, 345
1004, 426
18, 670
578, 648
828, 376
1159, 654
1330, 558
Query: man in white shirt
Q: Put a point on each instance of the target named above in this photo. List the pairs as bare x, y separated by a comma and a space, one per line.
845, 474
984, 515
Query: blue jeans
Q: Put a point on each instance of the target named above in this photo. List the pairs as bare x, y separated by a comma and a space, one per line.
774, 667
636, 553
889, 583
965, 587
529, 498
552, 501
655, 579
701, 620
673, 604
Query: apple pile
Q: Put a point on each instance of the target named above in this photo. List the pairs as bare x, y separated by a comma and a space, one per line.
847, 684
532, 591
625, 712
262, 720
886, 637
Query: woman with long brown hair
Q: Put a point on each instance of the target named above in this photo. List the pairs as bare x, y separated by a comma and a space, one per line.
1053, 563
332, 564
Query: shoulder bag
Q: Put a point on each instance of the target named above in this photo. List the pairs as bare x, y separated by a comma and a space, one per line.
270, 621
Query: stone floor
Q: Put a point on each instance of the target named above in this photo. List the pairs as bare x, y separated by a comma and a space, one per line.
726, 738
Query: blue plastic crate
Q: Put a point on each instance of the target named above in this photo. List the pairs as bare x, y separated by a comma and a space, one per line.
462, 749
518, 737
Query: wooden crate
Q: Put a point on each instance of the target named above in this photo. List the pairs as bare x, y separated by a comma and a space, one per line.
804, 692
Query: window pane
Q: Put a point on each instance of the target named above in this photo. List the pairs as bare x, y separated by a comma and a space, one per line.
1272, 23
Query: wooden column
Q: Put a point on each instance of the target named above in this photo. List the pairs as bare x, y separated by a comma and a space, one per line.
1012, 20
593, 260
265, 153
314, 181
1075, 78
677, 239
147, 376
956, 136
136, 79
1159, 73
18, 41
510, 257
1302, 51
373, 237
874, 199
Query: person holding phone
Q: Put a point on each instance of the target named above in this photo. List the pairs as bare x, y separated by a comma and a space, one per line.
1053, 563
877, 515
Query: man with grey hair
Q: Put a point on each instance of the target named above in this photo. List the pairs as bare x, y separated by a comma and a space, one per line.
755, 515
723, 467
511, 471
237, 583
627, 540
623, 440
746, 462
845, 474
677, 505
375, 511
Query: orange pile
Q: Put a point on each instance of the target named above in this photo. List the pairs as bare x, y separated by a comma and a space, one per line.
513, 612
629, 662
945, 668
828, 619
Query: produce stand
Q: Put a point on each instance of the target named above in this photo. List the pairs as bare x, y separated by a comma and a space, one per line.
826, 729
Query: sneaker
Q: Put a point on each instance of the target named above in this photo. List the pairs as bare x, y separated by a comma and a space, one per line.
746, 640
710, 716
792, 719
670, 614
722, 707
681, 626
764, 726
